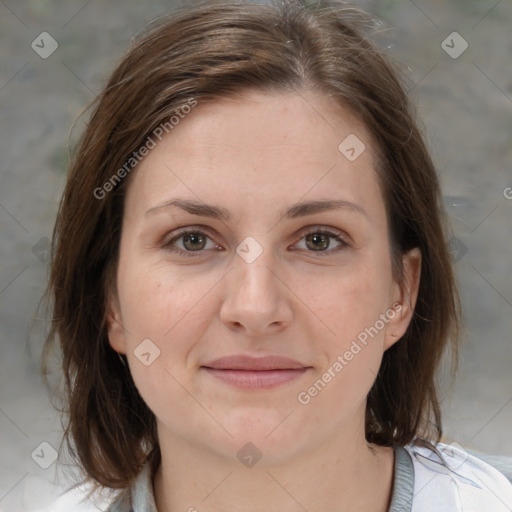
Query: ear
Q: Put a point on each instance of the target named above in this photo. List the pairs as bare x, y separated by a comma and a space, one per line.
115, 328
404, 298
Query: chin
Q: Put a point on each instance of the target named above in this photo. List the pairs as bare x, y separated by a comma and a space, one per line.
267, 431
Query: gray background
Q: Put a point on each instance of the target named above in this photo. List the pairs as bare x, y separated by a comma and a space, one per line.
466, 105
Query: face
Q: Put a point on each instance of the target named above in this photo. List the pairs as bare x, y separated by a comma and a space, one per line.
301, 300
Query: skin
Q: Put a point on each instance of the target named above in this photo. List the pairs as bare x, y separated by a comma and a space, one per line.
256, 156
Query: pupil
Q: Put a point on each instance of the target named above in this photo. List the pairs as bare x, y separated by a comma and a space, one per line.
316, 237
193, 237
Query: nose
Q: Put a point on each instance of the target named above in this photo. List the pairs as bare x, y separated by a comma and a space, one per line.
257, 300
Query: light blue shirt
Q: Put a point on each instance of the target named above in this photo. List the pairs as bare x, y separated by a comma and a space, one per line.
463, 482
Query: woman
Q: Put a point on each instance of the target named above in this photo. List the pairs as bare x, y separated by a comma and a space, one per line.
251, 283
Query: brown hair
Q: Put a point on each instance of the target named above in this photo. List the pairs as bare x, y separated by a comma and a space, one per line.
201, 53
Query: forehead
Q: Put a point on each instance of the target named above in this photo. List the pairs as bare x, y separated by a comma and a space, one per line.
277, 147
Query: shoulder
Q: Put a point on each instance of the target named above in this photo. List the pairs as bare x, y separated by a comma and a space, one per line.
122, 503
501, 462
136, 498
80, 498
454, 479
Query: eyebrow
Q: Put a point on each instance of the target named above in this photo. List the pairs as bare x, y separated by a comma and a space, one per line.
298, 210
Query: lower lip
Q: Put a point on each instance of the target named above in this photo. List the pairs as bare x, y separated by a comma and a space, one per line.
249, 379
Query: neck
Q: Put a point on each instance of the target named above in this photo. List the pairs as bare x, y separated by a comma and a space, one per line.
337, 476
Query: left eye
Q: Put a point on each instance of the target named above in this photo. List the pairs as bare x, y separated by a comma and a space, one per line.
194, 242
320, 241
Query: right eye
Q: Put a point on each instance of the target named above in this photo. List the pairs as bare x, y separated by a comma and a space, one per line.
193, 242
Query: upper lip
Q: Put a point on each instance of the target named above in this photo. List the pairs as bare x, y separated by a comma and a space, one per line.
243, 362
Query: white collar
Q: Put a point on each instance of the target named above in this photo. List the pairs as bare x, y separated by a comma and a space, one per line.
460, 483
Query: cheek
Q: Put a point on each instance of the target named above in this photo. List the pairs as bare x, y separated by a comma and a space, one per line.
155, 298
354, 299
168, 307
165, 308
352, 353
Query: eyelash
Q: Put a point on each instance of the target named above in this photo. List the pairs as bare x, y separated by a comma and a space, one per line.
315, 230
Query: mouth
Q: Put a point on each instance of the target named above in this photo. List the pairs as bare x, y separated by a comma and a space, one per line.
255, 373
